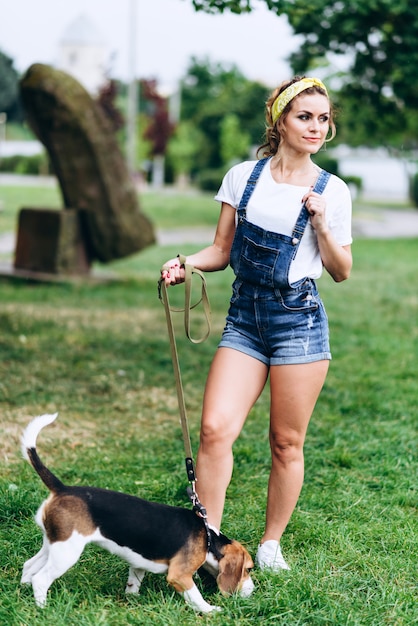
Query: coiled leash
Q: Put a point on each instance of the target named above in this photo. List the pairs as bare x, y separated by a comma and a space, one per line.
188, 307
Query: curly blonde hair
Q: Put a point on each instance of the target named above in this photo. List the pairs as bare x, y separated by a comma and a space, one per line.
272, 133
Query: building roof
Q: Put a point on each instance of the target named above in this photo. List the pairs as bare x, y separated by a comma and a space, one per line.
82, 31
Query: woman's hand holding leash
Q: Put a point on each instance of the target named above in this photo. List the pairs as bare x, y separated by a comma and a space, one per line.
173, 272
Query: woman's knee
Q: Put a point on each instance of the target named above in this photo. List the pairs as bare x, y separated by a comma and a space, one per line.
216, 434
286, 447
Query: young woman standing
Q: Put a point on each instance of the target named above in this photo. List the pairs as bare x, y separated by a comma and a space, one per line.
282, 220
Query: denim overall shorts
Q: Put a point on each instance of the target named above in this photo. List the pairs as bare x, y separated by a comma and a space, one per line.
270, 319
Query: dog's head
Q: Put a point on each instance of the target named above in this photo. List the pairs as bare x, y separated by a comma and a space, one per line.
234, 570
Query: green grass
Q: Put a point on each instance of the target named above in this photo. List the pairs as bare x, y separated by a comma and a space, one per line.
98, 353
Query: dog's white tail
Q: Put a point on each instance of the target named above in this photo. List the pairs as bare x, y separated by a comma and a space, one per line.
32, 431
29, 452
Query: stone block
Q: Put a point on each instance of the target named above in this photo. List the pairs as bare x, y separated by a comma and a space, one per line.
51, 242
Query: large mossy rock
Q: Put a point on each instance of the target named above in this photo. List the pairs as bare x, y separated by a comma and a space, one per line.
87, 161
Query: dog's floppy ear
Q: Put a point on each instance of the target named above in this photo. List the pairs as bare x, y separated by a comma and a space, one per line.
233, 568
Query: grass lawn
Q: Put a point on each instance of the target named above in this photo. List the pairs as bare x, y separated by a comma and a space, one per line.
98, 353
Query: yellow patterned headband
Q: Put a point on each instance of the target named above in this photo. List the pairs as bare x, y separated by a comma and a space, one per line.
291, 92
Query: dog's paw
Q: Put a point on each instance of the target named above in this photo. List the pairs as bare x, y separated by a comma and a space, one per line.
134, 581
132, 587
194, 599
40, 600
205, 607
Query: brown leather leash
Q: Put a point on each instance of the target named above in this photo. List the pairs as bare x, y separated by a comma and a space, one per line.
190, 271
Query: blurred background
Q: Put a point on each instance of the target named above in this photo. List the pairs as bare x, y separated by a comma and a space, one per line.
184, 82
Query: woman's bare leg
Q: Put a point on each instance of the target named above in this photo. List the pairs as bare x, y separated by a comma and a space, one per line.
294, 392
234, 383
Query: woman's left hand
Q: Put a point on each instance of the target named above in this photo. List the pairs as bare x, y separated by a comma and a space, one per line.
316, 205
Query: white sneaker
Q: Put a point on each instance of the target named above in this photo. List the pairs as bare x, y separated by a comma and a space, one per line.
269, 556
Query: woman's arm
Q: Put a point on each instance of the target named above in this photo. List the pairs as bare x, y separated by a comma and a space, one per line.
214, 257
336, 259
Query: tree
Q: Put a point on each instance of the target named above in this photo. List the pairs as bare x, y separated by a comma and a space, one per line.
160, 127
212, 91
378, 41
219, 6
379, 91
9, 87
106, 99
183, 148
235, 143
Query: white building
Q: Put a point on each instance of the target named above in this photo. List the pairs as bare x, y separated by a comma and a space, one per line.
83, 54
383, 176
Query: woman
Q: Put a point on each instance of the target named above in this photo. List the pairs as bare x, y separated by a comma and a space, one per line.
276, 325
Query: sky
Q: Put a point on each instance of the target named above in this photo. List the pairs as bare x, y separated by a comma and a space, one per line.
166, 34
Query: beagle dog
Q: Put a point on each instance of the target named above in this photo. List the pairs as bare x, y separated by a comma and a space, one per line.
151, 537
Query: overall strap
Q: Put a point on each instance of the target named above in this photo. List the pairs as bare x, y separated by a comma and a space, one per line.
303, 218
251, 183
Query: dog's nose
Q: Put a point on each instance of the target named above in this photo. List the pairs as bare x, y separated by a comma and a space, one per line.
247, 588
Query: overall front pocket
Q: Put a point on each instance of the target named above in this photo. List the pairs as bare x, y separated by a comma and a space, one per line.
258, 263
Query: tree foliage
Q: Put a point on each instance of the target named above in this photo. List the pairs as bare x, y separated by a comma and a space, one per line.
379, 92
160, 128
378, 40
184, 147
234, 142
210, 92
9, 85
107, 100
219, 6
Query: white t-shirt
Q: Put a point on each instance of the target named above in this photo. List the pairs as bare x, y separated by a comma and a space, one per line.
276, 206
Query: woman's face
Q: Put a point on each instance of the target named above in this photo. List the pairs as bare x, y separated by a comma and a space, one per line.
306, 125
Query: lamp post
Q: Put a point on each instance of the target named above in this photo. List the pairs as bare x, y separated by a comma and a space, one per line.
133, 100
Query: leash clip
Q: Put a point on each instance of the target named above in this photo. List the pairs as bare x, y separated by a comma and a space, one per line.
200, 510
197, 505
